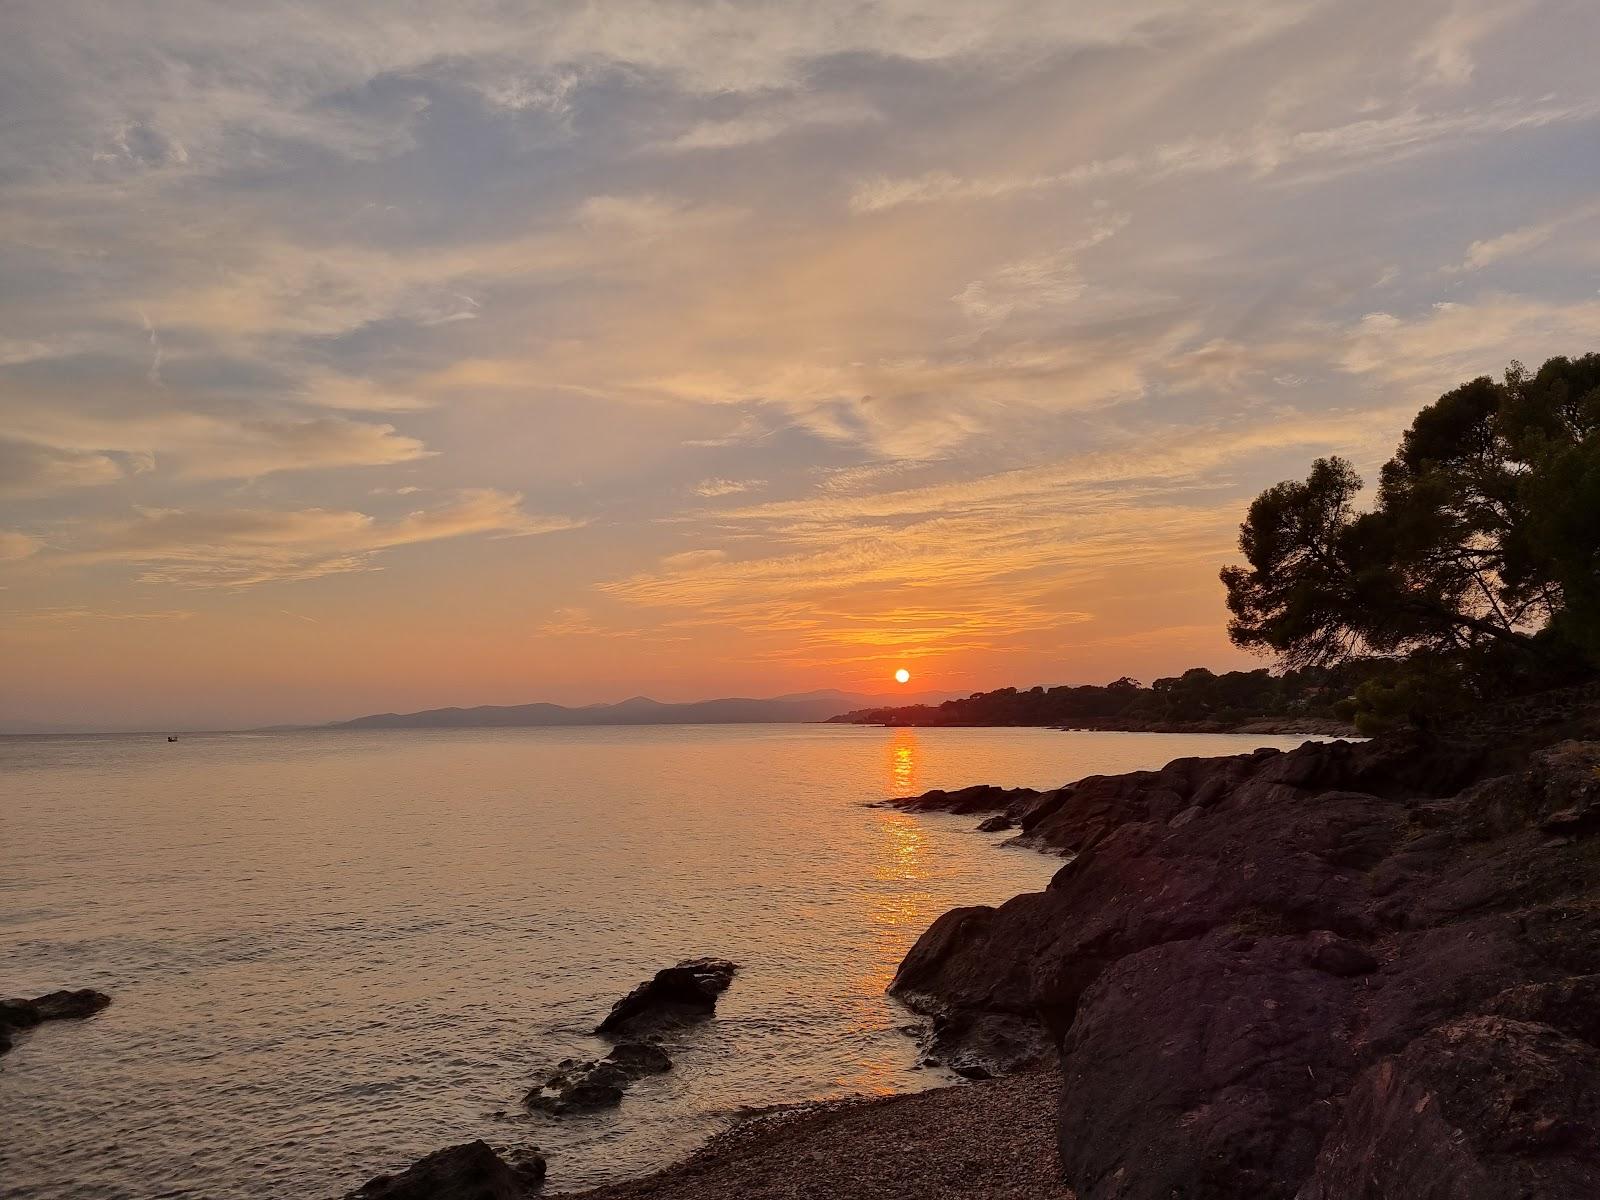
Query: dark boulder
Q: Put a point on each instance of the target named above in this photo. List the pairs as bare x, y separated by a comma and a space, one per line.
684, 992
67, 1006
640, 1058
578, 1087
472, 1171
18, 1014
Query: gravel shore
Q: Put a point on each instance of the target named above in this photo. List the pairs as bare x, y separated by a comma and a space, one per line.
992, 1139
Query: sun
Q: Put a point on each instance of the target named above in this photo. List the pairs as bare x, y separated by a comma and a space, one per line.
902, 676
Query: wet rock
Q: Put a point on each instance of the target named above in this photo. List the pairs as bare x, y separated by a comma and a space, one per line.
575, 1086
965, 801
16, 1014
996, 824
980, 1045
472, 1171
578, 1088
640, 1058
683, 992
75, 1005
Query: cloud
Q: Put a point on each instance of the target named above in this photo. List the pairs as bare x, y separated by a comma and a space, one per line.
979, 565
1298, 155
1446, 55
710, 488
688, 560
645, 215
1452, 342
1518, 242
1043, 282
14, 546
183, 87
81, 614
870, 327
764, 121
32, 469
72, 447
241, 547
326, 389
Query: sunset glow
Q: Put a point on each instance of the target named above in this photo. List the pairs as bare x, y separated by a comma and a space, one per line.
360, 359
902, 676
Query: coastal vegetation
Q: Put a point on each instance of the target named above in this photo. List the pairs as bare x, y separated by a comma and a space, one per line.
1197, 699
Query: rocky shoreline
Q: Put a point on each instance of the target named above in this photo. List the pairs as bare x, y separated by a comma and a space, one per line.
1346, 970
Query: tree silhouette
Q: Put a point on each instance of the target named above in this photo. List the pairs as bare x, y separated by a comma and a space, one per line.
1483, 545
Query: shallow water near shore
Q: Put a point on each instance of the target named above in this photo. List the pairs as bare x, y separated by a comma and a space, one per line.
331, 953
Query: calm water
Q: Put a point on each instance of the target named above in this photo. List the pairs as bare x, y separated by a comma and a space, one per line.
331, 953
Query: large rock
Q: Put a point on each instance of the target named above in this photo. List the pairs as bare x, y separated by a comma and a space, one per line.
18, 1014
683, 992
1203, 1068
1257, 969
1485, 1108
472, 1171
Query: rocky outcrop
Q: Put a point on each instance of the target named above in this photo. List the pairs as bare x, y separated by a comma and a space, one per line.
19, 1014
676, 994
982, 798
576, 1086
1484, 1108
472, 1171
1346, 970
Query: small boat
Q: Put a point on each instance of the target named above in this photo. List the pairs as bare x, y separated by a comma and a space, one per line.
172, 737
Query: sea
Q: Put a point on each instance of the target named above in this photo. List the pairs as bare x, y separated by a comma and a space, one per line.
333, 952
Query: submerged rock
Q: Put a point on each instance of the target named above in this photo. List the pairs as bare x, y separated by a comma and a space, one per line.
584, 1086
640, 1057
18, 1014
683, 992
472, 1171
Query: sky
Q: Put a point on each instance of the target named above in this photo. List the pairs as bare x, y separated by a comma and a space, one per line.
363, 356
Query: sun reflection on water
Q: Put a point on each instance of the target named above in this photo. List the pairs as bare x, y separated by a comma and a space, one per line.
900, 907
904, 850
903, 763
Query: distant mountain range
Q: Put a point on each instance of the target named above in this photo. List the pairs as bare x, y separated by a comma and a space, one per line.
641, 710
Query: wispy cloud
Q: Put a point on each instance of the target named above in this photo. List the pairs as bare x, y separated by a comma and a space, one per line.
70, 449
1314, 152
713, 488
1516, 243
239, 548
